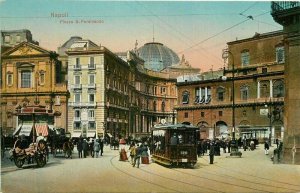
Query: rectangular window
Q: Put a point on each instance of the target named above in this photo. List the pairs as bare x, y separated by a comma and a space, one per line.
220, 96
77, 65
77, 113
25, 79
244, 94
92, 113
9, 79
92, 79
202, 114
92, 60
92, 98
92, 125
220, 113
77, 97
77, 125
197, 95
245, 58
280, 55
77, 79
6, 39
186, 115
163, 90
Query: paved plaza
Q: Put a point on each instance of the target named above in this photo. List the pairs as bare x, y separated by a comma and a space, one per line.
254, 172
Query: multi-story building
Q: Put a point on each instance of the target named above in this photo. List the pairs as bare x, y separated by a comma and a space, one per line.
126, 99
31, 88
248, 95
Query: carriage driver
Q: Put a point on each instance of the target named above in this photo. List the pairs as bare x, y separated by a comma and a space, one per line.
40, 137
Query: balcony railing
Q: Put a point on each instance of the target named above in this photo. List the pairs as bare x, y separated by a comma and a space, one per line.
92, 66
92, 86
82, 104
76, 86
77, 119
77, 67
278, 6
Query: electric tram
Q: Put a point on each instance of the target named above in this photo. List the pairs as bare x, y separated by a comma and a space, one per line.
174, 145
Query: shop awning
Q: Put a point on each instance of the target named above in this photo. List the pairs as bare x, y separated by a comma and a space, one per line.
76, 134
17, 130
109, 135
41, 128
26, 130
91, 134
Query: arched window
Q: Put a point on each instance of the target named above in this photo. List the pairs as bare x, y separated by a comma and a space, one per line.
220, 93
245, 58
244, 92
185, 97
264, 89
280, 58
163, 105
278, 88
154, 105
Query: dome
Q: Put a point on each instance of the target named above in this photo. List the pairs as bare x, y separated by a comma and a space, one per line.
157, 56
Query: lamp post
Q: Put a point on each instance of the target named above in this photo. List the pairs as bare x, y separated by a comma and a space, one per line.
234, 146
270, 122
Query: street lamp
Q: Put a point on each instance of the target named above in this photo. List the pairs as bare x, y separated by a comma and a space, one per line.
234, 145
270, 122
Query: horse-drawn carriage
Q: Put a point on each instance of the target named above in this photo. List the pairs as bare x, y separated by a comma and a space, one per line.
174, 144
60, 142
36, 152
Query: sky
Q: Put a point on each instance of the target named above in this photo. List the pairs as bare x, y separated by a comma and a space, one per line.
198, 29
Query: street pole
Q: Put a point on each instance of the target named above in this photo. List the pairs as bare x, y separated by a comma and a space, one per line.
234, 146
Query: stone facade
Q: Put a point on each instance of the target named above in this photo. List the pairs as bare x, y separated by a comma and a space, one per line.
288, 15
29, 78
258, 92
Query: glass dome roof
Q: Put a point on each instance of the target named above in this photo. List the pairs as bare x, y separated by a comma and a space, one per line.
157, 56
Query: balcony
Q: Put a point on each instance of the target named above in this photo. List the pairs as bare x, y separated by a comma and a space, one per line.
77, 67
91, 118
283, 12
92, 66
91, 86
77, 119
76, 86
82, 104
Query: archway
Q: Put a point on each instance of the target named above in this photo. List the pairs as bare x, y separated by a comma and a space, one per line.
203, 127
221, 129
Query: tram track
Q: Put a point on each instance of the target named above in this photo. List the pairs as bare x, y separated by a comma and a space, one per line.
254, 176
164, 177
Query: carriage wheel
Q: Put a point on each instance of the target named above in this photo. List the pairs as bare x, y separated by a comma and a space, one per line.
41, 160
19, 162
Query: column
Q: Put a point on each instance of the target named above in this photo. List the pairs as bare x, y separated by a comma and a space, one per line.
205, 93
258, 89
271, 88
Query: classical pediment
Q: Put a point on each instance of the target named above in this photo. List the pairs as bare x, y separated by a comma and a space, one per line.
25, 49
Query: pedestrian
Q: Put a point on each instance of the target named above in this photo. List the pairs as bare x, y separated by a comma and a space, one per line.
266, 148
211, 153
92, 147
101, 146
229, 146
277, 142
96, 147
144, 154
137, 156
132, 150
85, 148
79, 147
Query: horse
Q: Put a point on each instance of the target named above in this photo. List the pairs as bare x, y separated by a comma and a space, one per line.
68, 147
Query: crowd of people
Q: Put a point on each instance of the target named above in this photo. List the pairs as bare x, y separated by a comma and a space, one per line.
94, 146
